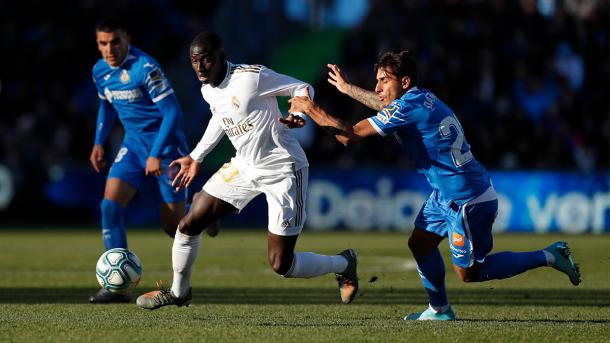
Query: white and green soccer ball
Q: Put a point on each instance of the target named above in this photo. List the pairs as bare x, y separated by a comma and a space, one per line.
118, 270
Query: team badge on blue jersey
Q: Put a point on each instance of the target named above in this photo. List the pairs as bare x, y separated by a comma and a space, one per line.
125, 77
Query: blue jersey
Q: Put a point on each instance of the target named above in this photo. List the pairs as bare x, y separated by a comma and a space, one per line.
144, 100
432, 136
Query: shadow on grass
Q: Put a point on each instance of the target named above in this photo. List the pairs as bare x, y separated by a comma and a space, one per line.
300, 295
550, 321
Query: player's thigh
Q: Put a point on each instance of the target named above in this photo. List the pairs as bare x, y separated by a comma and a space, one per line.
205, 210
229, 185
286, 201
167, 191
470, 236
126, 176
225, 192
434, 216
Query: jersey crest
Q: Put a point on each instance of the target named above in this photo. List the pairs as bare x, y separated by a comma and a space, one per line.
125, 77
235, 103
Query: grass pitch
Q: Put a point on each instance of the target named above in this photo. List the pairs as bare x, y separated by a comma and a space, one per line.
47, 275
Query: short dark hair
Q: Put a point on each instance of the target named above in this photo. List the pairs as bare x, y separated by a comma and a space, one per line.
210, 41
111, 25
400, 64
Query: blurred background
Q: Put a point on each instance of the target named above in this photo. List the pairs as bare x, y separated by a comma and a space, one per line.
529, 80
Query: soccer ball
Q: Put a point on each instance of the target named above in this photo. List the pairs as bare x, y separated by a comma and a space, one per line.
118, 270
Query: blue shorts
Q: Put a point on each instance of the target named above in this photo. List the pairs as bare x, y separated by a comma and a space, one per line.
468, 227
130, 166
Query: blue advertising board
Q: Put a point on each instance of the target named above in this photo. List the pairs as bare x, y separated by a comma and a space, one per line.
389, 200
539, 202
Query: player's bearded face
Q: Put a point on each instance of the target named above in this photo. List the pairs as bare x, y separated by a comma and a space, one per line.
208, 65
389, 87
113, 46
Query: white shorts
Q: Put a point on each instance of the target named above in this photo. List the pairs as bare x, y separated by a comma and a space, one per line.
286, 195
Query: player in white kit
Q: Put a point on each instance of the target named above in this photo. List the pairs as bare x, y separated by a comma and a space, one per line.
268, 160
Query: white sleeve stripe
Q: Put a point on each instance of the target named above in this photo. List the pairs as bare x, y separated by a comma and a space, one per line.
163, 96
377, 128
101, 96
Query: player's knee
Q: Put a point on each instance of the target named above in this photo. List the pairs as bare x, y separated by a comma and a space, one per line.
186, 227
412, 244
417, 248
467, 275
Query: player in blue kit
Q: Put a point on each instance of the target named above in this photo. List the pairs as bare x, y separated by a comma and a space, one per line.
132, 86
463, 203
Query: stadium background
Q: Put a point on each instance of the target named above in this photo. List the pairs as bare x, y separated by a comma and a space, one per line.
529, 80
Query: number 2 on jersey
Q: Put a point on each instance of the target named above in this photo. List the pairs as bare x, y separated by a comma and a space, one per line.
459, 158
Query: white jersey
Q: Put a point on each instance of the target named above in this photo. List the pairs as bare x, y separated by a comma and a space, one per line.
244, 107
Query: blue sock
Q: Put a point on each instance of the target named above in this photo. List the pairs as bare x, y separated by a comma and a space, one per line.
507, 264
113, 227
432, 272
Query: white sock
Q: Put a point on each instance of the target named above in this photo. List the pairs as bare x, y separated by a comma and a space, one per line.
307, 265
550, 258
441, 309
184, 254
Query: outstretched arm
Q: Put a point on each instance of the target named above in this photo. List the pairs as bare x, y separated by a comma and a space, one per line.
189, 164
344, 132
338, 79
211, 137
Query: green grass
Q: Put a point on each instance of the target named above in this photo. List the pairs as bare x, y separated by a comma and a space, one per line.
46, 276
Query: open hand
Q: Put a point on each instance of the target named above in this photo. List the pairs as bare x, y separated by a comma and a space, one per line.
338, 78
188, 170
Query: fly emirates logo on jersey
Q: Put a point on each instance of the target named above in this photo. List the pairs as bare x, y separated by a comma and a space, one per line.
234, 130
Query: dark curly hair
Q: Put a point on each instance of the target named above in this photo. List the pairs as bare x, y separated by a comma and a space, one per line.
398, 63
